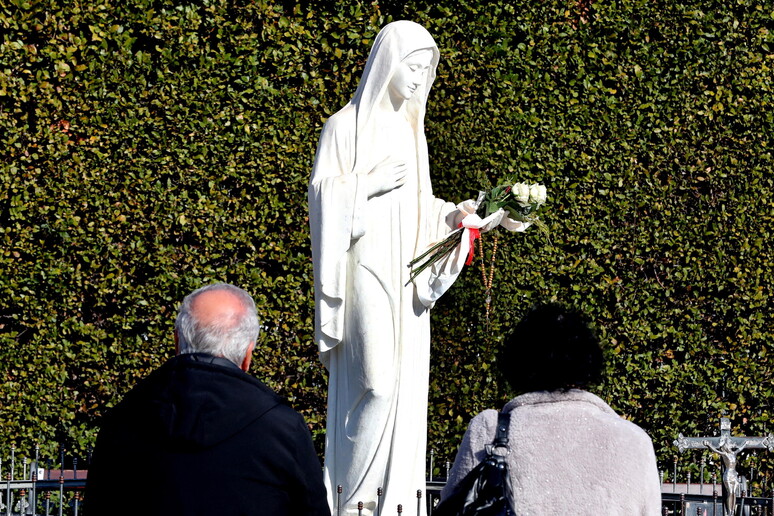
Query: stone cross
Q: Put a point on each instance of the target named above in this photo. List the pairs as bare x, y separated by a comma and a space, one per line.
727, 447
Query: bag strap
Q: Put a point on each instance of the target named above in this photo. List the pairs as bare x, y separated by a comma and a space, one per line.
501, 435
503, 421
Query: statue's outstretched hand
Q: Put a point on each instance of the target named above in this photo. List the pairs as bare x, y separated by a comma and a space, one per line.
465, 208
469, 219
385, 177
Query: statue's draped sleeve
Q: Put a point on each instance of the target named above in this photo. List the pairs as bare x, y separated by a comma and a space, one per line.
431, 284
337, 199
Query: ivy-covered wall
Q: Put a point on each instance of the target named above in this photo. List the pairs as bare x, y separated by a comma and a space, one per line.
152, 146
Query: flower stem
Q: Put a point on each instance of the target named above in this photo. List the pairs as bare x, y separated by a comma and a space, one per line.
444, 242
436, 253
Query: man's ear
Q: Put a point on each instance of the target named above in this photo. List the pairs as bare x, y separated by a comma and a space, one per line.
248, 357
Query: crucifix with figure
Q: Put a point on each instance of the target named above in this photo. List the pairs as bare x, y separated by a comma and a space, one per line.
727, 447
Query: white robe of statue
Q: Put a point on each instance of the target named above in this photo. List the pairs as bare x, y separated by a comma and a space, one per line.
372, 211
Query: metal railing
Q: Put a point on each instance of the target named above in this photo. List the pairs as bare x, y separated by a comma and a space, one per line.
35, 486
704, 505
31, 487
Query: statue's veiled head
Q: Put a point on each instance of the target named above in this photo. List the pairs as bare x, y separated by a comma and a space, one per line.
396, 42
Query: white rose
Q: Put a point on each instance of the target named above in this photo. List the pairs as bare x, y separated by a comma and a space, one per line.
542, 195
534, 191
521, 192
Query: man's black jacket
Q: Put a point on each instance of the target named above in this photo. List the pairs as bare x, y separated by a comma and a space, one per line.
201, 437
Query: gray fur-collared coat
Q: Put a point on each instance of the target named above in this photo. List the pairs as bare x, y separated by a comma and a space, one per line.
570, 453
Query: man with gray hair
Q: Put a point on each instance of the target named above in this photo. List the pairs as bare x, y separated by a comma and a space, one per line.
200, 436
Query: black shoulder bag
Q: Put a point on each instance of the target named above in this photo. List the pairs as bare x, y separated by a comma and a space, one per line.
486, 490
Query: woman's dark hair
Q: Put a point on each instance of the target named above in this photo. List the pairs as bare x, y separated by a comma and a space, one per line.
552, 348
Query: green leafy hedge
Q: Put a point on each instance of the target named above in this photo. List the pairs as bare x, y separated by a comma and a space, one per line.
153, 146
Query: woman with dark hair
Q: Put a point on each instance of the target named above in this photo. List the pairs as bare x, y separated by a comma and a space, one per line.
569, 452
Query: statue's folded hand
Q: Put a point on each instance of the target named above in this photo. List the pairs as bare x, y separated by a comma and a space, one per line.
385, 177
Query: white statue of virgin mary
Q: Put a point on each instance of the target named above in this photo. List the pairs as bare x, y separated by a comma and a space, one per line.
371, 211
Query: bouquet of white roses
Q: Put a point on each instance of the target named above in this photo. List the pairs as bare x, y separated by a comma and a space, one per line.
514, 205
520, 201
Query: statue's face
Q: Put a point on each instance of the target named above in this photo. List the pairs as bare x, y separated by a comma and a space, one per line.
411, 74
